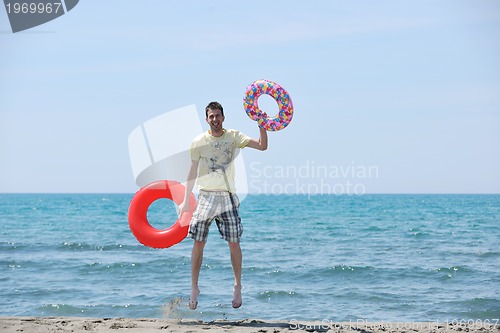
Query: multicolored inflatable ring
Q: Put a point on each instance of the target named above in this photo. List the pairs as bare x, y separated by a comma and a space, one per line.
285, 114
138, 220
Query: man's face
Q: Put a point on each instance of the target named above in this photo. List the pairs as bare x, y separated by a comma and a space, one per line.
215, 119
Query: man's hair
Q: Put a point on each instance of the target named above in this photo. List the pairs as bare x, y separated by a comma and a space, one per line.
214, 106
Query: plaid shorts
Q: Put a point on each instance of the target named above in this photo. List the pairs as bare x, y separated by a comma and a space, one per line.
219, 206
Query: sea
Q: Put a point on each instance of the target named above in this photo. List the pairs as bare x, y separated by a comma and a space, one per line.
305, 257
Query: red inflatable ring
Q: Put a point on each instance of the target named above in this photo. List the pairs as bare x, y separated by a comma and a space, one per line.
137, 214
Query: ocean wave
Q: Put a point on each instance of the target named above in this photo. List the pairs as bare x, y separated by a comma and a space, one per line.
67, 246
341, 270
14, 246
454, 269
488, 254
475, 308
450, 272
98, 266
492, 303
72, 246
97, 310
59, 310
161, 266
349, 268
278, 294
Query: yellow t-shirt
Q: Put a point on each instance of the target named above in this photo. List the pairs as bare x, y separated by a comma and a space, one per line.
216, 156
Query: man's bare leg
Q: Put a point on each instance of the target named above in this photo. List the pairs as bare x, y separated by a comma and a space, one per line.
196, 260
236, 260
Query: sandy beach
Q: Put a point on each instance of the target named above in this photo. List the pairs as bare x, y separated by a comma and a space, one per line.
77, 325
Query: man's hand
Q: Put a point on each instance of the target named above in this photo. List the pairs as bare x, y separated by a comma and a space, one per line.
184, 214
183, 207
193, 172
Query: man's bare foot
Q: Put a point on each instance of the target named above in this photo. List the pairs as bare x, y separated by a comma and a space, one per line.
193, 300
237, 299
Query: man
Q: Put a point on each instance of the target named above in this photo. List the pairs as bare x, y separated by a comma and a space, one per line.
212, 156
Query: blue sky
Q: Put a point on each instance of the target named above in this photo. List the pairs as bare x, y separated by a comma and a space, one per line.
410, 88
